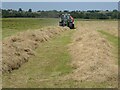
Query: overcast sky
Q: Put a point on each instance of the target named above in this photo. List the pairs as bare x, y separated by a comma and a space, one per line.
61, 5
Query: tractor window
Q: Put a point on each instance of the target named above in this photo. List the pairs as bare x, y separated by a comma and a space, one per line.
68, 17
62, 17
65, 16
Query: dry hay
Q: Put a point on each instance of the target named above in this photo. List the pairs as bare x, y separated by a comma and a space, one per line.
17, 49
93, 58
108, 26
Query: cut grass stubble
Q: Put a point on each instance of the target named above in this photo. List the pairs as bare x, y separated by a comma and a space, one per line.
52, 61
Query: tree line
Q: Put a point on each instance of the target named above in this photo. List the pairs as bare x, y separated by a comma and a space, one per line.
90, 14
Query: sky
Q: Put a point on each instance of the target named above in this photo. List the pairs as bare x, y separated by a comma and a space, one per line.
35, 6
60, 0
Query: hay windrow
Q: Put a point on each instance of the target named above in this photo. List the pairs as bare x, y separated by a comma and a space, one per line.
93, 58
17, 49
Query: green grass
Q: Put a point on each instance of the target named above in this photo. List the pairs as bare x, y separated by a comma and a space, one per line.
11, 26
96, 19
113, 39
52, 61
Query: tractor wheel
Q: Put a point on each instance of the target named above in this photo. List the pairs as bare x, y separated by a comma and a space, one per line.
60, 24
71, 25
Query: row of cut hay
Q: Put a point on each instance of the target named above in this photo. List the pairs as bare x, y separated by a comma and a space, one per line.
17, 49
93, 58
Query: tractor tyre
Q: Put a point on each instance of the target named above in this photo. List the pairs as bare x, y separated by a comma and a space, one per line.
71, 25
60, 24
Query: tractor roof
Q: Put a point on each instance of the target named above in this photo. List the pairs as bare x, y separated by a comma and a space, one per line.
66, 14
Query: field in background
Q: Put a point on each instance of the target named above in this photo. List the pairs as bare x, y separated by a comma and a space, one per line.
11, 26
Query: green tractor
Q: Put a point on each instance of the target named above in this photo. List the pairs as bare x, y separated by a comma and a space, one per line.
67, 20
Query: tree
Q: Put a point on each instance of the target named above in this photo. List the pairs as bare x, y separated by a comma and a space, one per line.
66, 11
30, 10
107, 10
90, 14
20, 10
115, 10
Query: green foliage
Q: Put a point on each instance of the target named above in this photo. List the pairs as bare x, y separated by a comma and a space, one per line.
20, 10
30, 10
90, 14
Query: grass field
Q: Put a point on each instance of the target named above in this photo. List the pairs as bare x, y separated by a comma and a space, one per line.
51, 62
52, 65
11, 26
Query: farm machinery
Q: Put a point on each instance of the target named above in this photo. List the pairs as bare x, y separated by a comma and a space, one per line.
66, 20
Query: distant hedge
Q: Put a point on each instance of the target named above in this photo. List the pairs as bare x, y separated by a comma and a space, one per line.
90, 14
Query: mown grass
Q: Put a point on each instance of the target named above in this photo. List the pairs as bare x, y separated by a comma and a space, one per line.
114, 40
11, 26
51, 62
48, 68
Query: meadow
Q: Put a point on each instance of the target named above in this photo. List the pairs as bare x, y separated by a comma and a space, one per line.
85, 57
11, 26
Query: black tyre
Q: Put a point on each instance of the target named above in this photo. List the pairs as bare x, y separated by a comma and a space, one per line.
71, 25
60, 24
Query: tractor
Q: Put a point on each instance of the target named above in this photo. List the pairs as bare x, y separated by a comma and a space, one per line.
66, 20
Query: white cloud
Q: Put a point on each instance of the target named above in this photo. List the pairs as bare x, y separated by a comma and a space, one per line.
60, 0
